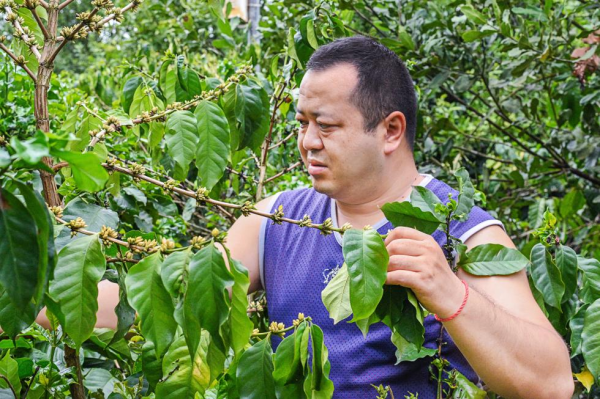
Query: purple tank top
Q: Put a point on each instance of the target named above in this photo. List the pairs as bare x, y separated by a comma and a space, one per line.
297, 263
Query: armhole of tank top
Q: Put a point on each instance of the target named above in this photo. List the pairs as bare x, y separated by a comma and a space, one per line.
261, 241
475, 229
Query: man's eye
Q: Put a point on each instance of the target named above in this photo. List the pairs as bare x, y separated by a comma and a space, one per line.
324, 126
303, 123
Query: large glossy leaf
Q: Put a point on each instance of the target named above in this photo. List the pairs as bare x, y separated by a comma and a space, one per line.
465, 198
151, 365
174, 269
240, 326
590, 339
424, 199
12, 319
405, 214
576, 326
129, 89
321, 386
206, 299
288, 359
591, 276
189, 81
44, 222
95, 217
566, 260
546, 276
181, 139
186, 376
9, 368
465, 389
79, 269
336, 296
367, 260
20, 259
410, 325
407, 352
247, 108
493, 260
213, 142
148, 296
87, 170
255, 372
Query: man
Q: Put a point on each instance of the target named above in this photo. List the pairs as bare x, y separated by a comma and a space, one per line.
357, 112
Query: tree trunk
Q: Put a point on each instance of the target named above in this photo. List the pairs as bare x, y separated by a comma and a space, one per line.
42, 122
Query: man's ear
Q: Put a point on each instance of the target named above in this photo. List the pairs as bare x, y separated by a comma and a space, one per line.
395, 125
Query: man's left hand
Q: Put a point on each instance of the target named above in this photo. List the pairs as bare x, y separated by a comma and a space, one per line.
418, 262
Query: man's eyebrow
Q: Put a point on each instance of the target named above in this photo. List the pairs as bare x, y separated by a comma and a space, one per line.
313, 114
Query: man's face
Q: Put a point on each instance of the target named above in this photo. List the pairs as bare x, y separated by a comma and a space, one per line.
343, 160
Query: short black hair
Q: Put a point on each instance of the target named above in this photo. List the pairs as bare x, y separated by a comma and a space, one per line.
384, 84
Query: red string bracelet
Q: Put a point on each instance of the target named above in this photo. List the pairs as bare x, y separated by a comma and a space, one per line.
462, 306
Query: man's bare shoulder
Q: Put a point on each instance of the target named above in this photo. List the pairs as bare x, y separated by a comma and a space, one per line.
242, 241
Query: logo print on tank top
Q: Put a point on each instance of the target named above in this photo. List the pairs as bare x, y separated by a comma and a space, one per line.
329, 274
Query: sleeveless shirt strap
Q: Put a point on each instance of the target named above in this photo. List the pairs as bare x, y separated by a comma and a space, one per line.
261, 240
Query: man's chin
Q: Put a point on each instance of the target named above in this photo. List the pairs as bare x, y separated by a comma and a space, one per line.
322, 187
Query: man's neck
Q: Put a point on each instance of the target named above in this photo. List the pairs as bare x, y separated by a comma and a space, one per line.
368, 211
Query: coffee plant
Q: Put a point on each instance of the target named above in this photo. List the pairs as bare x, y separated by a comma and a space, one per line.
124, 160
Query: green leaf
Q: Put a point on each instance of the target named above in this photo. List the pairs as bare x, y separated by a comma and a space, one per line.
213, 144
336, 296
424, 199
174, 269
408, 352
367, 261
151, 365
247, 108
465, 389
12, 319
31, 151
576, 326
240, 326
471, 35
189, 81
546, 276
88, 124
535, 13
181, 139
255, 372
493, 260
9, 368
405, 214
571, 203
473, 15
321, 386
590, 339
591, 275
310, 33
98, 379
71, 120
129, 89
144, 99
566, 260
148, 296
208, 281
20, 259
465, 196
87, 169
44, 222
79, 269
186, 376
288, 359
410, 325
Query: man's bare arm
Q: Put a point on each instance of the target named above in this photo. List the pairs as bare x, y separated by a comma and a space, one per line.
505, 336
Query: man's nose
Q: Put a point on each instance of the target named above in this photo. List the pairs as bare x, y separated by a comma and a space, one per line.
312, 140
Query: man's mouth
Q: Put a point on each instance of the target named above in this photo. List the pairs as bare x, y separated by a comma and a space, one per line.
316, 167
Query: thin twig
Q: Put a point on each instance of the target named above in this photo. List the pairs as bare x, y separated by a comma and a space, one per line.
40, 23
112, 16
12, 388
22, 35
284, 171
14, 58
284, 140
64, 4
24, 395
77, 29
367, 20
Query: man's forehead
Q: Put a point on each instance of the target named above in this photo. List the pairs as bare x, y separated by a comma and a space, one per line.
336, 80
